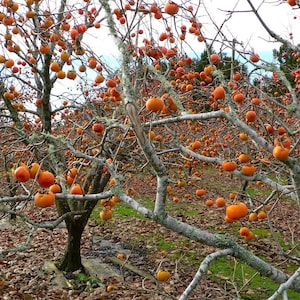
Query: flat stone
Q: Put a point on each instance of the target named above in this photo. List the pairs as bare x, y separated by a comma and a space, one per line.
5, 224
59, 278
99, 270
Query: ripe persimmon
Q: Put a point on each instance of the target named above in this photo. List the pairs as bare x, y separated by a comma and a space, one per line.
219, 93
171, 8
82, 68
9, 63
44, 49
250, 236
220, 202
243, 136
175, 199
244, 158
105, 214
237, 211
73, 172
55, 188
55, 67
44, 200
154, 104
244, 231
110, 288
232, 195
209, 202
237, 76
98, 127
281, 153
195, 145
262, 215
61, 74
111, 83
229, 166
248, 170
76, 189
292, 2
120, 256
45, 179
99, 78
251, 116
71, 74
163, 275
214, 58
34, 168
22, 174
253, 217
255, 100
254, 57
200, 192
238, 97
74, 34
64, 56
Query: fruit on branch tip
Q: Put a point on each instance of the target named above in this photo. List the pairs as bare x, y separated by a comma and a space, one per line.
34, 169
244, 158
171, 8
253, 217
44, 200
236, 211
281, 153
55, 188
292, 2
45, 179
229, 166
214, 58
251, 116
248, 170
219, 93
154, 104
22, 174
76, 189
98, 127
254, 57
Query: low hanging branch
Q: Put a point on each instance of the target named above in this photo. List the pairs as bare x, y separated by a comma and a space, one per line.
159, 215
214, 240
202, 271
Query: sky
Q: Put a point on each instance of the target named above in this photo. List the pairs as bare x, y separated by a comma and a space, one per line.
242, 25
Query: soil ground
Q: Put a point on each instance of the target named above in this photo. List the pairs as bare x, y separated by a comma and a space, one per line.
148, 246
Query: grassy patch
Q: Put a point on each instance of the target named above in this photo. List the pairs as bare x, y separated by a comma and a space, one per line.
123, 211
261, 232
248, 282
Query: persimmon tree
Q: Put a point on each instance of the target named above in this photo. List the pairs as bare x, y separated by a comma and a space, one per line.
72, 128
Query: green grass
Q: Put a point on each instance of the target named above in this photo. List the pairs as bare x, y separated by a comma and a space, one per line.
226, 271
248, 282
123, 211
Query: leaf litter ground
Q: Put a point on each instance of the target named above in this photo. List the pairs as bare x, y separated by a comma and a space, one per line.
147, 246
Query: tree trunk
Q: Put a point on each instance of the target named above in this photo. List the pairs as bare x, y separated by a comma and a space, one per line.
75, 225
72, 256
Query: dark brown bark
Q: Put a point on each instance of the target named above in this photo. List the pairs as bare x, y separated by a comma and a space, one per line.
72, 256
71, 260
